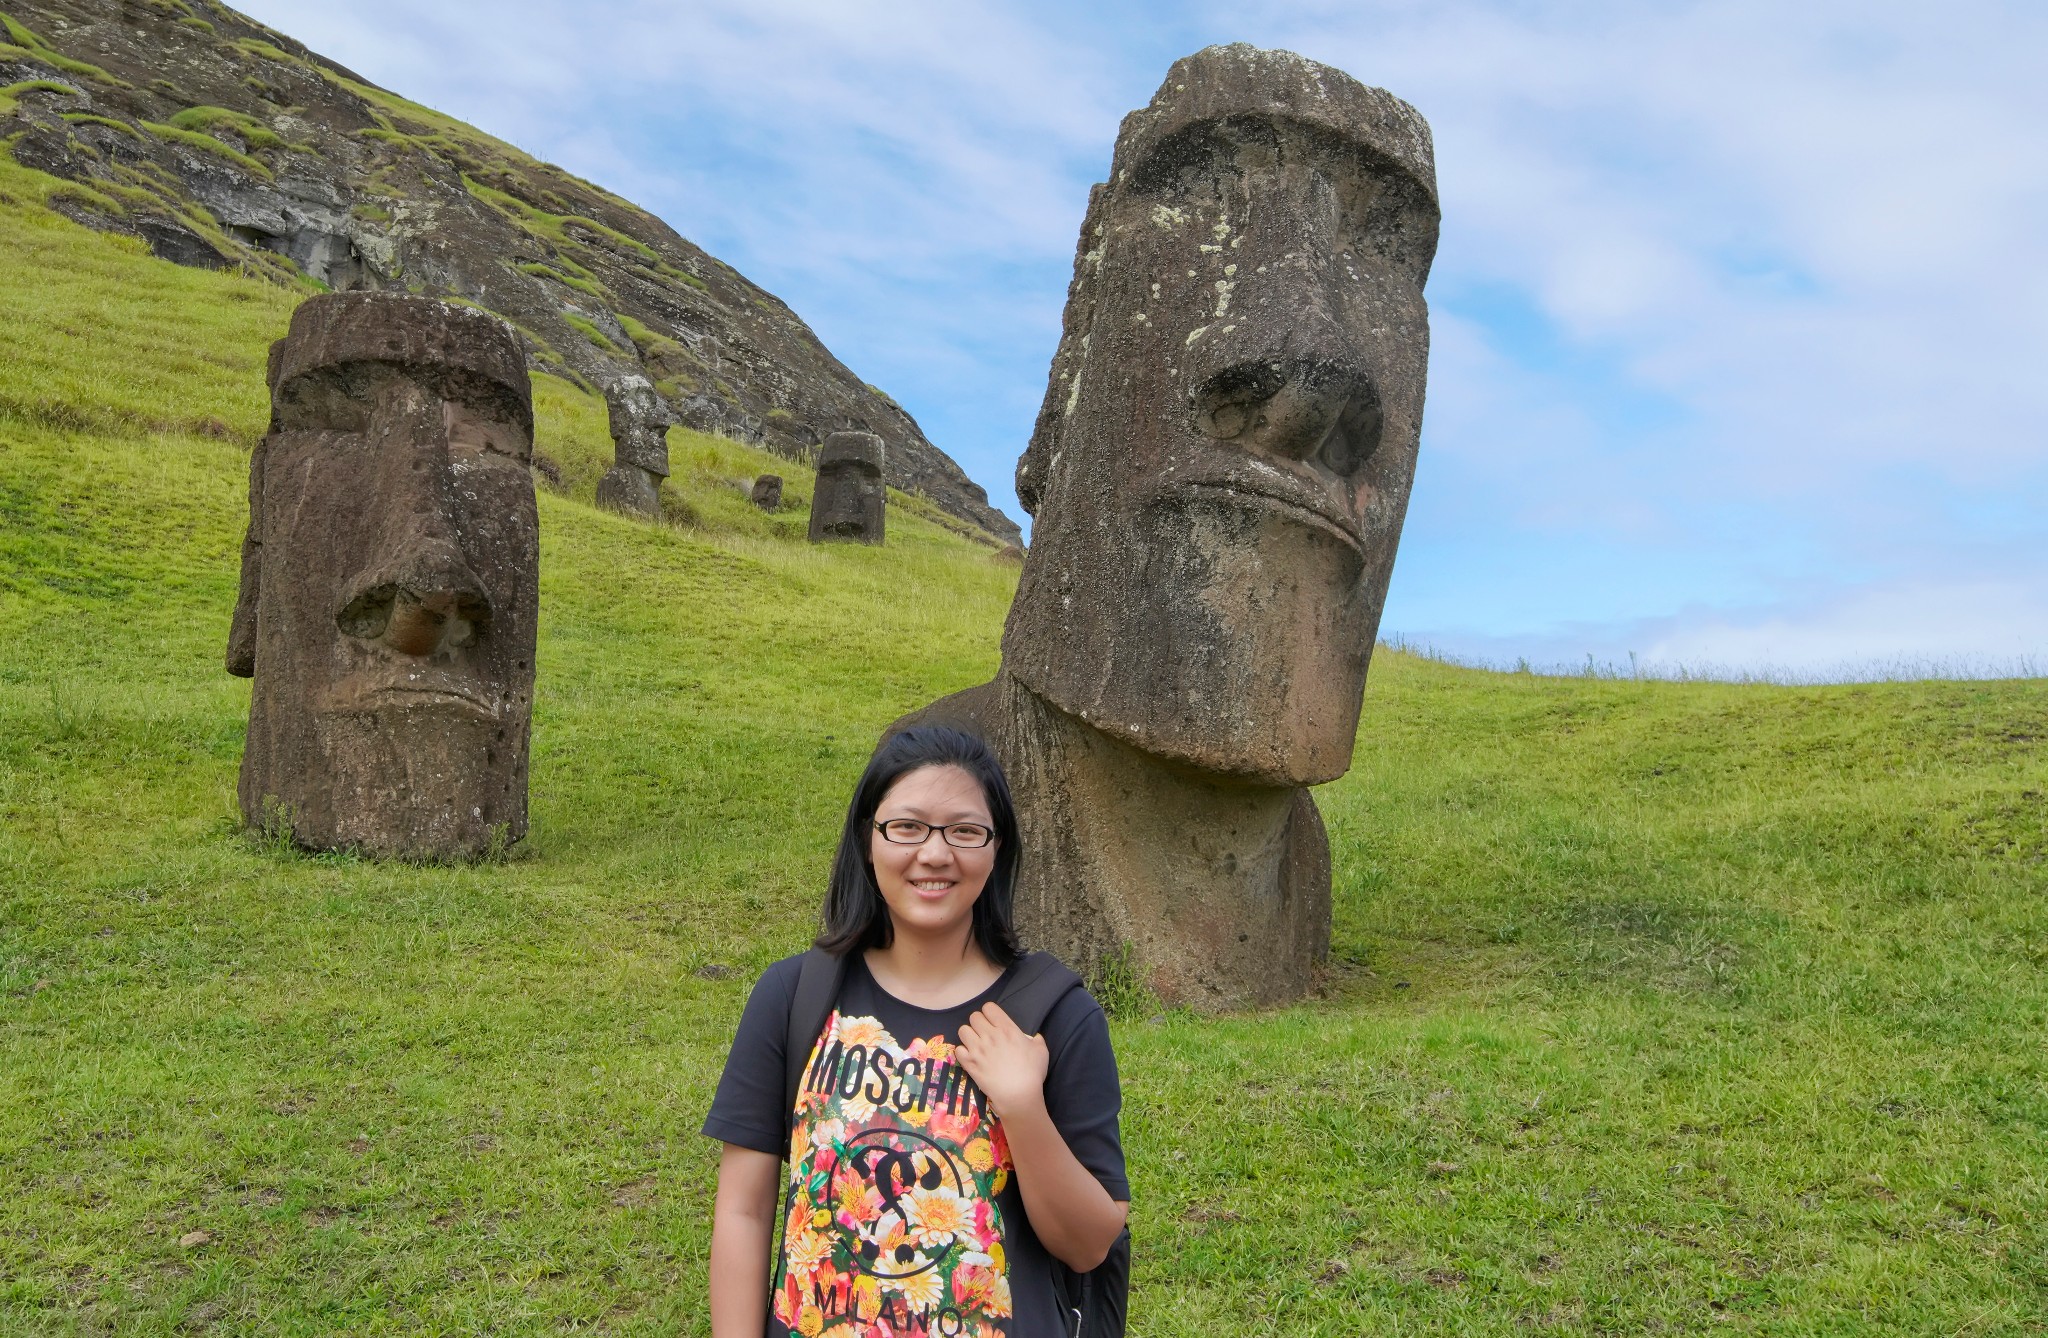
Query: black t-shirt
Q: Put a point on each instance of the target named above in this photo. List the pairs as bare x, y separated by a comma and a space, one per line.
902, 1214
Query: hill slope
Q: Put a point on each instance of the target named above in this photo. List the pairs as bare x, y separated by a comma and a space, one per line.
1683, 1008
224, 144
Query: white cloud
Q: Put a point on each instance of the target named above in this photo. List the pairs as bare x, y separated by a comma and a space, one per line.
1915, 628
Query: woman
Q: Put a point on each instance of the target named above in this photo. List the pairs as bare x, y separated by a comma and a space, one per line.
940, 1157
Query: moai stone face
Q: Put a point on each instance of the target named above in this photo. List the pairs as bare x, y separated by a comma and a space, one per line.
1223, 459
639, 423
767, 492
390, 582
849, 502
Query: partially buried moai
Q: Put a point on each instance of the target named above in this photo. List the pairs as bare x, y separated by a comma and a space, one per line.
849, 501
767, 492
390, 582
640, 421
1218, 477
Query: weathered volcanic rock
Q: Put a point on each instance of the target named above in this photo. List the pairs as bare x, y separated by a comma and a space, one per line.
847, 504
1218, 476
221, 142
767, 492
390, 582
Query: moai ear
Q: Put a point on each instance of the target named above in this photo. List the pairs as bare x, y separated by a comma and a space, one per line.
242, 631
1036, 462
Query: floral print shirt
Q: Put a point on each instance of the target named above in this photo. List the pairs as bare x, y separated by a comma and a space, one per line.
901, 1215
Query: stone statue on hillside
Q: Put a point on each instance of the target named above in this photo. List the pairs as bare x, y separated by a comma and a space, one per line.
767, 492
640, 420
848, 503
1218, 477
390, 582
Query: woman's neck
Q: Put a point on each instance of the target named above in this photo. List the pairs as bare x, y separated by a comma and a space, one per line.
932, 973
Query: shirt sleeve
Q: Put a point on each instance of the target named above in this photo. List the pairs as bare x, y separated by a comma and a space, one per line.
748, 1108
1082, 1094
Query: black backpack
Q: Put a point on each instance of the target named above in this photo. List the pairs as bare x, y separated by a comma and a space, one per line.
1094, 1302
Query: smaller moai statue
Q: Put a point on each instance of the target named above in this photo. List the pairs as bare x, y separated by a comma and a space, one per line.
390, 582
847, 506
767, 492
640, 422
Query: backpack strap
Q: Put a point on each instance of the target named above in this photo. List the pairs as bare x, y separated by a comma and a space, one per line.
1040, 981
817, 989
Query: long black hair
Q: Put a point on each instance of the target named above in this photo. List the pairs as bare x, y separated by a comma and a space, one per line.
856, 917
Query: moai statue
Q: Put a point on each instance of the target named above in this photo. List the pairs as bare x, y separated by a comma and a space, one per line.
390, 582
767, 493
640, 421
848, 502
1218, 476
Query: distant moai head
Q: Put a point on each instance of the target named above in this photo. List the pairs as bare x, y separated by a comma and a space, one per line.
640, 420
390, 582
848, 503
1223, 458
767, 492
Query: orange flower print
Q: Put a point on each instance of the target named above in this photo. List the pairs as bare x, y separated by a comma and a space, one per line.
936, 1216
863, 1031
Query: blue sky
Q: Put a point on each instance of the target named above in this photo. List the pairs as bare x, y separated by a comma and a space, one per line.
1740, 354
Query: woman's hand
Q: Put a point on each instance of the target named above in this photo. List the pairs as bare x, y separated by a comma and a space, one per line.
1006, 1064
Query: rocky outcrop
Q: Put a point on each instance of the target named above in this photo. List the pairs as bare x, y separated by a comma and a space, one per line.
223, 143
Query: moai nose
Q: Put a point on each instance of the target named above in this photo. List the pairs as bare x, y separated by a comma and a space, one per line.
424, 602
1317, 410
420, 596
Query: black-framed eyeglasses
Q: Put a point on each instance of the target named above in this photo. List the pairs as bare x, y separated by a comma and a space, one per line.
911, 832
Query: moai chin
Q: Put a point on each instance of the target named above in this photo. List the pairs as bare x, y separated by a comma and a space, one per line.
639, 422
849, 502
1218, 476
390, 582
767, 492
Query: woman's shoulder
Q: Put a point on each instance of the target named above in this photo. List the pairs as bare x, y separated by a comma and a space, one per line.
778, 981
1073, 1008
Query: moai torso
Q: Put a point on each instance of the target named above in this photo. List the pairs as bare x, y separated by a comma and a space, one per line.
390, 582
848, 504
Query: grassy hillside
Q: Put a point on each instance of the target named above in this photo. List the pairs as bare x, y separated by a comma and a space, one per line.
1672, 1007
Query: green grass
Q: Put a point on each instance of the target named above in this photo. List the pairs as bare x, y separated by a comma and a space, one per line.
1654, 1007
589, 330
258, 136
205, 143
24, 43
87, 118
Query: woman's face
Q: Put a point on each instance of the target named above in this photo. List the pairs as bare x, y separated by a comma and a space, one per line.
931, 887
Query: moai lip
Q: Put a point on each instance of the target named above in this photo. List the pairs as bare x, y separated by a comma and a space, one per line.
1218, 477
390, 589
849, 503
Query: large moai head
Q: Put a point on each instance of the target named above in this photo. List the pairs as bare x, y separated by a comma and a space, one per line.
849, 503
390, 582
1223, 459
639, 422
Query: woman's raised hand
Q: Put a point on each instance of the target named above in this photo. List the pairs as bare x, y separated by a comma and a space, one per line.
1006, 1064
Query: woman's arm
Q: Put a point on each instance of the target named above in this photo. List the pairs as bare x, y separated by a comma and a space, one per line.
742, 1224
1072, 1214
